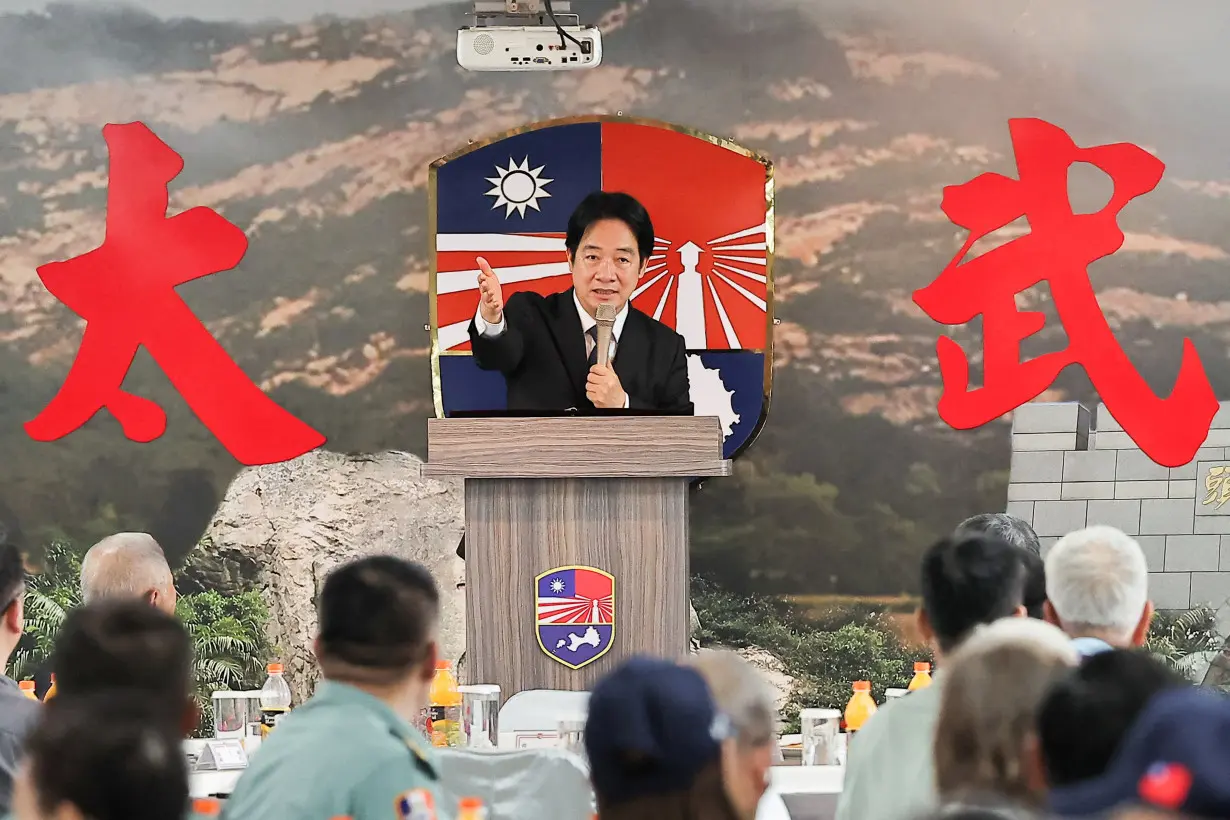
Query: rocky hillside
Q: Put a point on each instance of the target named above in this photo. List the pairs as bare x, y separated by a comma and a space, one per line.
315, 139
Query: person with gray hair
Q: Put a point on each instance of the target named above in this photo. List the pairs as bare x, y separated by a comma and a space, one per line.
128, 565
743, 695
1097, 589
1014, 531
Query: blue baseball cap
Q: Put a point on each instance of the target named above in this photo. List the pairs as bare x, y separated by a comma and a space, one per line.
1175, 757
652, 727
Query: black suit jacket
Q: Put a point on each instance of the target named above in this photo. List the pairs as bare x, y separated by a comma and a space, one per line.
542, 356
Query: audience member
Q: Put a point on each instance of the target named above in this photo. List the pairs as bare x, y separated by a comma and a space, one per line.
1097, 589
1174, 759
105, 756
1016, 532
1086, 715
657, 745
17, 712
128, 645
967, 580
128, 565
743, 695
351, 750
986, 737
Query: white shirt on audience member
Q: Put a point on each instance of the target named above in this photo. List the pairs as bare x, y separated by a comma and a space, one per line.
890, 764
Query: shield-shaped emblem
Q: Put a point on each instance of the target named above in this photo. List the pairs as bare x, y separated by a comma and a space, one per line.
508, 199
575, 613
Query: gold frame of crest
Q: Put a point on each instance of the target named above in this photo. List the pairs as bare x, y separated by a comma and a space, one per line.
614, 616
770, 195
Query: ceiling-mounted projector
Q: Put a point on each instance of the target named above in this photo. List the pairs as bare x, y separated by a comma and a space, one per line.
527, 35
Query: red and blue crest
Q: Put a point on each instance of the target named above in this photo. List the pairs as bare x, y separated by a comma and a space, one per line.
710, 277
575, 614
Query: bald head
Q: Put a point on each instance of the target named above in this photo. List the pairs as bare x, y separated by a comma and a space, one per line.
125, 566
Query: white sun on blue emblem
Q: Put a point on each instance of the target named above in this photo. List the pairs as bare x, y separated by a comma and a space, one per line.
557, 585
518, 187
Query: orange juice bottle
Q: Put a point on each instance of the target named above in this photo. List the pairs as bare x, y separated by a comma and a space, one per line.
922, 676
206, 806
471, 808
51, 693
445, 707
27, 689
861, 706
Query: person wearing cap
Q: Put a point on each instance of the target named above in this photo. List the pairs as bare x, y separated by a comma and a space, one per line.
1174, 759
658, 745
352, 750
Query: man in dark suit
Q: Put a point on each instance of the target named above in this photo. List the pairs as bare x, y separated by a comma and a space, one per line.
546, 346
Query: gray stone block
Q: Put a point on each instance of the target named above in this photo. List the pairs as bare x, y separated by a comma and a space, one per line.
1023, 510
1087, 489
1049, 441
1212, 524
1034, 492
1089, 465
1224, 564
1103, 420
1142, 489
1113, 441
1166, 516
1058, 517
1122, 515
1204, 454
1170, 590
1209, 589
1193, 553
1035, 467
1154, 548
1217, 438
1051, 417
1183, 489
1134, 465
1221, 419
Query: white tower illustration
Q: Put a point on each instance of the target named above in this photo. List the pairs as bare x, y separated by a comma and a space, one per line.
690, 302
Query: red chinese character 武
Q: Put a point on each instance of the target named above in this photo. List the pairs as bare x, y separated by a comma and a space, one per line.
125, 291
1058, 250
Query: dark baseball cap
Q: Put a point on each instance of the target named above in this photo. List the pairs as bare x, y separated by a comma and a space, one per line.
1175, 757
652, 727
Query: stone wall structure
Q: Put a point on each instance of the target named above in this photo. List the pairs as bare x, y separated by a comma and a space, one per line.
1073, 468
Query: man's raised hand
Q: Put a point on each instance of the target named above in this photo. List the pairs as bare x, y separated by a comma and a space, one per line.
490, 294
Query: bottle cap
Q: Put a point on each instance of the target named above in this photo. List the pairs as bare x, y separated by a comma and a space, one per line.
444, 664
471, 803
274, 669
862, 686
922, 666
26, 686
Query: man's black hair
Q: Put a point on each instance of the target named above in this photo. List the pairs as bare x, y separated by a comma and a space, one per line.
110, 755
602, 205
378, 613
1034, 595
1086, 715
124, 644
12, 576
969, 580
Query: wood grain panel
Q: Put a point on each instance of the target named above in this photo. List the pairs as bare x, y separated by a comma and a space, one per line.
592, 447
516, 529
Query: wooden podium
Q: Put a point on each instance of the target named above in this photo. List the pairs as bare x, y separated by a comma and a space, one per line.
542, 494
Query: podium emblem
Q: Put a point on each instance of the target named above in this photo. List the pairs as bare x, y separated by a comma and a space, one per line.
710, 278
575, 613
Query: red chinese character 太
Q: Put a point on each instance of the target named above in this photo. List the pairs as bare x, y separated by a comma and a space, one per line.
125, 291
1058, 250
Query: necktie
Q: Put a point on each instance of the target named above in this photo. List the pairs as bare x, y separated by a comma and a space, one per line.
593, 348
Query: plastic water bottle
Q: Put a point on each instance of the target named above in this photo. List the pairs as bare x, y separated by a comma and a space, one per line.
275, 699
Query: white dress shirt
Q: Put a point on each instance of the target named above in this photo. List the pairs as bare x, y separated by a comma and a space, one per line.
491, 331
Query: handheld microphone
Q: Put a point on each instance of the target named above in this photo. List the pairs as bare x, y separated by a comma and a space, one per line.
605, 317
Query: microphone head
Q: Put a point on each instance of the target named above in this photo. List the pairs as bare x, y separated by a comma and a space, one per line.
605, 313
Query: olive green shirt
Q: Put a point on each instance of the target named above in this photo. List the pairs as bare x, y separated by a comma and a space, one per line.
343, 753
